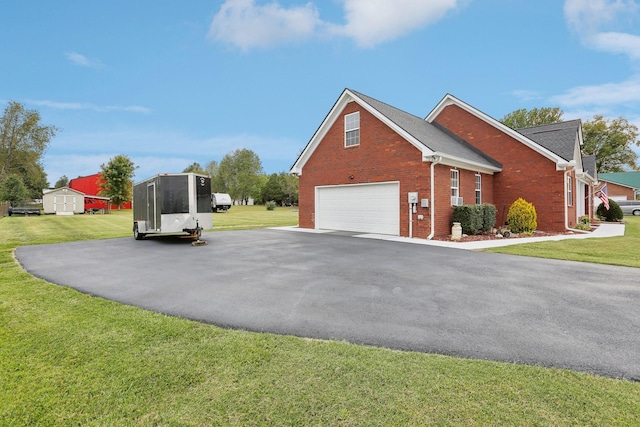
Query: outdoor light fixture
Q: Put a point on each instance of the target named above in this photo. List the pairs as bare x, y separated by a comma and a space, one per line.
350, 176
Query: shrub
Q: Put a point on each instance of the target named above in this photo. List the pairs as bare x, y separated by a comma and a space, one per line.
489, 213
584, 224
469, 217
271, 205
613, 214
522, 217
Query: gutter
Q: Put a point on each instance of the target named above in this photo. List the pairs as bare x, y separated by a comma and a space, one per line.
434, 161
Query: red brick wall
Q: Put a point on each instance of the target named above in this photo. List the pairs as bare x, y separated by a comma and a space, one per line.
383, 156
615, 190
525, 173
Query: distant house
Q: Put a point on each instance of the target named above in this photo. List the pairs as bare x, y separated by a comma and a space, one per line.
622, 185
90, 186
373, 168
63, 201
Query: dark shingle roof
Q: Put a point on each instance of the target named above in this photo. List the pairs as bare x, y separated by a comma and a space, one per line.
589, 165
432, 136
559, 138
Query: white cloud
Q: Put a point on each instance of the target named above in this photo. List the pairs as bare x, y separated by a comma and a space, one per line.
88, 106
590, 19
246, 25
628, 44
606, 94
83, 61
369, 22
526, 95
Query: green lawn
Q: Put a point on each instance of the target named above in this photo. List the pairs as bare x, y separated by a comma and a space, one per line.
72, 359
614, 250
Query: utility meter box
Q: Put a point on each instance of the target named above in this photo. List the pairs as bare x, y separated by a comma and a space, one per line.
413, 197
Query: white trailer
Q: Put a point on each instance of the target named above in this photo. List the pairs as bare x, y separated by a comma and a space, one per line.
172, 204
220, 202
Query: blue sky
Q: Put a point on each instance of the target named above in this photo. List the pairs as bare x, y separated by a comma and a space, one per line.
171, 83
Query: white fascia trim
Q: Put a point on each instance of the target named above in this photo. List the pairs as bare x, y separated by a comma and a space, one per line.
452, 100
462, 163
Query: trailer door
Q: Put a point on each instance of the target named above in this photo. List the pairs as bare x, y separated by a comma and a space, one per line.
151, 205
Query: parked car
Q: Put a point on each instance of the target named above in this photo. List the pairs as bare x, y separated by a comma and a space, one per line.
629, 207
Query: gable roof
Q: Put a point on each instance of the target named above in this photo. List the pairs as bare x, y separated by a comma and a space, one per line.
559, 138
430, 139
537, 147
627, 179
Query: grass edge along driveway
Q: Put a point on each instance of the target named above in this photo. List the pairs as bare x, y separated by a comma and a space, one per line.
69, 358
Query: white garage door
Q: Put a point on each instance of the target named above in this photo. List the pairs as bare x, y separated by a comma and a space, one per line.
368, 208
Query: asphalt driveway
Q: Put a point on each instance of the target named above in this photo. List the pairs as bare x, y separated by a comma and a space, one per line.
579, 316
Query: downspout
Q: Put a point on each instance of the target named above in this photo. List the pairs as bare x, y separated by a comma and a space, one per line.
566, 201
434, 161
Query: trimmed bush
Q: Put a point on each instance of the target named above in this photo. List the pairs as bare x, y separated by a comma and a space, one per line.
469, 217
612, 215
522, 217
584, 224
489, 213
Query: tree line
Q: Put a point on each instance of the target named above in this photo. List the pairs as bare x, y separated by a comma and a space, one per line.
240, 174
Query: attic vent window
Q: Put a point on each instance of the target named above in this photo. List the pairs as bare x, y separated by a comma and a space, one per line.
352, 129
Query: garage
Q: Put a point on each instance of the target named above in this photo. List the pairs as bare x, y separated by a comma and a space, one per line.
368, 208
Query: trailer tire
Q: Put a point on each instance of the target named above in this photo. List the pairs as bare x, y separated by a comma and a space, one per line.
136, 234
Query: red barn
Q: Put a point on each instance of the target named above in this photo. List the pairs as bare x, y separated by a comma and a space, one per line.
373, 168
89, 185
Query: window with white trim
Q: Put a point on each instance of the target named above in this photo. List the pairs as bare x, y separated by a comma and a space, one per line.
455, 184
352, 129
570, 190
478, 189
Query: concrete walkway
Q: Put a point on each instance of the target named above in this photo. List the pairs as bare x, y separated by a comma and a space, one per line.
604, 230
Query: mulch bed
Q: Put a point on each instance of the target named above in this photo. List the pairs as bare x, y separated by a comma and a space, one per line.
494, 236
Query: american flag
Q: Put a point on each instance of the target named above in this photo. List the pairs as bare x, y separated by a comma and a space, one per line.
603, 196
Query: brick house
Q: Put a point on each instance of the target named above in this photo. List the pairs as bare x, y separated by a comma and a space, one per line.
373, 168
622, 185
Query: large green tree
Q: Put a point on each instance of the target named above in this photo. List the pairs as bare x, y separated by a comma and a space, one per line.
63, 181
212, 168
524, 118
116, 179
23, 142
282, 188
611, 141
272, 190
239, 175
13, 190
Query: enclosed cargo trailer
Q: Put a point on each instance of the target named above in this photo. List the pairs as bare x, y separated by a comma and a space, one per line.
172, 204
